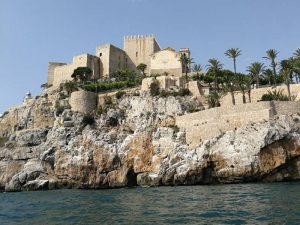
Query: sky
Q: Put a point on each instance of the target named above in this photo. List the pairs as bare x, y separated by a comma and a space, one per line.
34, 32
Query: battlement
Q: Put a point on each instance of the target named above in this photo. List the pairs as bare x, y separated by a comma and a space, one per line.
139, 37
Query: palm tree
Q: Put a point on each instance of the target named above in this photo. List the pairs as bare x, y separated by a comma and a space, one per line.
256, 69
233, 53
214, 66
268, 74
230, 86
297, 53
286, 72
296, 68
197, 68
241, 80
185, 62
271, 55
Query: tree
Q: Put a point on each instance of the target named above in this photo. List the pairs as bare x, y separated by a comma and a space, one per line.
185, 62
142, 67
70, 86
197, 68
297, 53
208, 78
241, 82
82, 73
286, 72
271, 55
233, 53
214, 66
230, 85
213, 99
296, 68
268, 74
256, 69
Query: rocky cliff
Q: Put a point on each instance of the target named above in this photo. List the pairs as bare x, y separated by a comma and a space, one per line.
134, 141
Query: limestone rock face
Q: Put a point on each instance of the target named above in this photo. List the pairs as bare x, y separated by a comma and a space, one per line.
136, 142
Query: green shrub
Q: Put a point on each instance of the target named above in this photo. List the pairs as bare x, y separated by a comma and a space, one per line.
59, 108
119, 94
275, 96
62, 96
175, 128
213, 99
181, 92
100, 87
108, 100
184, 92
87, 120
192, 108
154, 88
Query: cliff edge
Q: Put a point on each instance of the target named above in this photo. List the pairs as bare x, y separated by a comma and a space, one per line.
134, 140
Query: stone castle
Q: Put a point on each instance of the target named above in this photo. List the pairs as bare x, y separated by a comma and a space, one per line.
109, 58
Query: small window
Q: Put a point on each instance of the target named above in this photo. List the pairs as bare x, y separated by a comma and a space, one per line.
136, 54
100, 54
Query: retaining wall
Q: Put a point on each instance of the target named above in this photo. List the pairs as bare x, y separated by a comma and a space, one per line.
210, 123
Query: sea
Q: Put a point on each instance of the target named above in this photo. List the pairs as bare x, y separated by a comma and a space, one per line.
259, 203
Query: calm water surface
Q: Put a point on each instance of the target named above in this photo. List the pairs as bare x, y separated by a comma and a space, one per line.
277, 203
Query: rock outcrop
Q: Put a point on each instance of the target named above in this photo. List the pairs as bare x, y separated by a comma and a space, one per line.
135, 142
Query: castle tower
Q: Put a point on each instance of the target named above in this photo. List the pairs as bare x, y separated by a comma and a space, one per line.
140, 48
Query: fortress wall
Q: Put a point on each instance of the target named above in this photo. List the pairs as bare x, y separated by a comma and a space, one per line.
83, 101
119, 60
51, 67
256, 94
139, 49
103, 52
166, 61
210, 123
63, 73
285, 108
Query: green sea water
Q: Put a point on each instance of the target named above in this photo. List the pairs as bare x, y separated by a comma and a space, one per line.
276, 203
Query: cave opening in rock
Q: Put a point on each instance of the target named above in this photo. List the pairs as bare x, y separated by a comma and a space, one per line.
131, 178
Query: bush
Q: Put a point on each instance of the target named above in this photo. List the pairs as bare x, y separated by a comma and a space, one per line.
192, 108
213, 100
154, 88
119, 94
184, 92
59, 108
108, 100
181, 92
100, 87
275, 96
62, 96
87, 120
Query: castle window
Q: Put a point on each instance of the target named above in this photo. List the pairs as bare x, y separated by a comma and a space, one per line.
136, 54
100, 54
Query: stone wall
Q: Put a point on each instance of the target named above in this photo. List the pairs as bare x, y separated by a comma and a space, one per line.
210, 123
139, 49
63, 73
256, 94
83, 101
166, 61
165, 82
113, 59
51, 67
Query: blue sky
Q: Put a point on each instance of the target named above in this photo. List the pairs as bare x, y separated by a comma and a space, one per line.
33, 32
